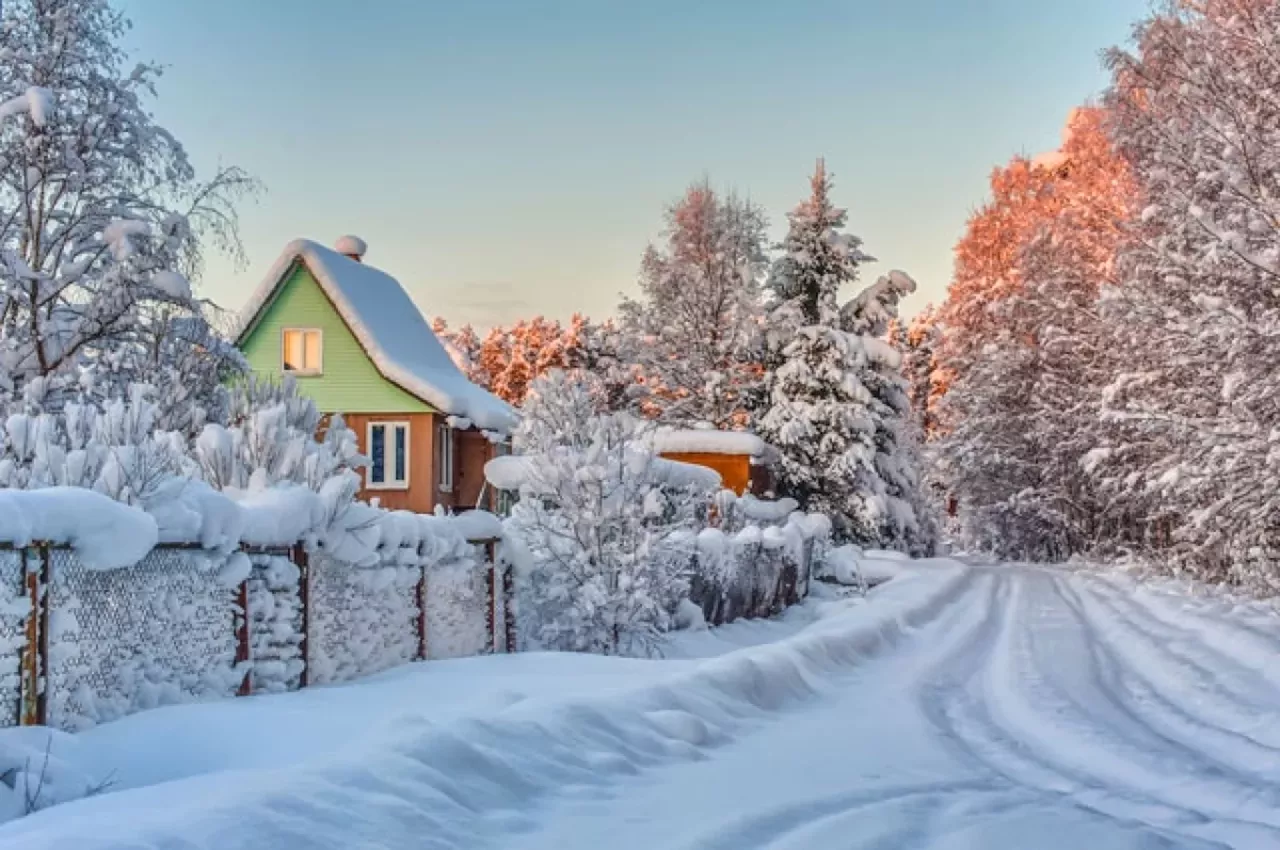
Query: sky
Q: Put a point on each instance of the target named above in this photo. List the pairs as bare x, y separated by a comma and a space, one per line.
505, 158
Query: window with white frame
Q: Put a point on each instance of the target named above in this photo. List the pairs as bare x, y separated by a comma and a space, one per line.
388, 449
444, 457
301, 351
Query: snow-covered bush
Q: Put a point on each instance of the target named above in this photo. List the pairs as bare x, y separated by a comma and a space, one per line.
610, 542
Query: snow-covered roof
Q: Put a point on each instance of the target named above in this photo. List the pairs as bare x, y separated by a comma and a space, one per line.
509, 472
709, 441
389, 327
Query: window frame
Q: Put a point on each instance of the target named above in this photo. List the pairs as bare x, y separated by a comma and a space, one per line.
445, 451
389, 482
284, 348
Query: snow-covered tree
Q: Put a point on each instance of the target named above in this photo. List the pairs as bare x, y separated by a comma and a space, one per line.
836, 404
693, 333
1022, 358
610, 539
102, 221
1194, 402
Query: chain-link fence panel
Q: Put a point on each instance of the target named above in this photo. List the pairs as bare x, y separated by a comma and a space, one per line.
363, 620
158, 632
15, 610
458, 607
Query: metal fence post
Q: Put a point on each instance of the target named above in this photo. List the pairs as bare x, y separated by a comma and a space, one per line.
508, 607
46, 592
422, 612
33, 684
243, 649
491, 586
298, 554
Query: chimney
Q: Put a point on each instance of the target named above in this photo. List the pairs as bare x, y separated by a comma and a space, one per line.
351, 246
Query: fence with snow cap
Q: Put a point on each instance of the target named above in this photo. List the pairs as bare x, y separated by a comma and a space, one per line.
101, 617
106, 609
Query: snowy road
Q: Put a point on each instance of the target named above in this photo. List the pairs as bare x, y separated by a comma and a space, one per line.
982, 708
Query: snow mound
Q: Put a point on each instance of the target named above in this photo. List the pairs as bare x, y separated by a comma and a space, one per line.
851, 566
351, 246
104, 533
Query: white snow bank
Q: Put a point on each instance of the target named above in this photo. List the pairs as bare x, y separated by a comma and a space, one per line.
507, 472
477, 525
40, 768
761, 510
390, 328
189, 511
440, 749
849, 565
279, 516
104, 533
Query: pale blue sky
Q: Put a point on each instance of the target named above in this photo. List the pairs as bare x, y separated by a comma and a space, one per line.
508, 158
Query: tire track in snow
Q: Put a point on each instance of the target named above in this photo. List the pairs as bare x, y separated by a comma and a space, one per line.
963, 619
1044, 690
1243, 645
1187, 651
1190, 715
957, 705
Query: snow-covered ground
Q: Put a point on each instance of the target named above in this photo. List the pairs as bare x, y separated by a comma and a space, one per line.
1008, 707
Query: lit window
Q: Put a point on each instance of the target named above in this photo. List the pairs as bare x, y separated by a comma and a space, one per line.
301, 351
444, 457
388, 450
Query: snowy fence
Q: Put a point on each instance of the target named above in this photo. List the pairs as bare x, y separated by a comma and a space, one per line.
80, 646
753, 572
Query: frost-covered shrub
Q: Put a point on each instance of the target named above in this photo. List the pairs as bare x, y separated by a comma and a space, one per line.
609, 543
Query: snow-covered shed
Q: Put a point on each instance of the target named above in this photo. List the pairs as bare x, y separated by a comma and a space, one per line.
357, 345
744, 462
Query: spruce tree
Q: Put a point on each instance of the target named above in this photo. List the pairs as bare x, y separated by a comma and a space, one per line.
835, 401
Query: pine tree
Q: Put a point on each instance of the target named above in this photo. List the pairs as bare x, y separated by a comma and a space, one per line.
836, 401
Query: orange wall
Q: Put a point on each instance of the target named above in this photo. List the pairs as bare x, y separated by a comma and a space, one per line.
421, 495
735, 470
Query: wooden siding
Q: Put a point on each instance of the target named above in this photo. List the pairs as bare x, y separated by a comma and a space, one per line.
420, 496
350, 383
474, 451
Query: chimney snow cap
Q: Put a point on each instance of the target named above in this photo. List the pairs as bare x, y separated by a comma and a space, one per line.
351, 246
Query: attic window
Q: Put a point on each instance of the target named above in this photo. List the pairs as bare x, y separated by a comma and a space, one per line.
301, 351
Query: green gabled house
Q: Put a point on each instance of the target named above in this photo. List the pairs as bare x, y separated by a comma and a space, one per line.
356, 344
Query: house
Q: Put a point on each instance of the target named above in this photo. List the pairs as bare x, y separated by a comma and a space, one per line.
356, 344
744, 461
